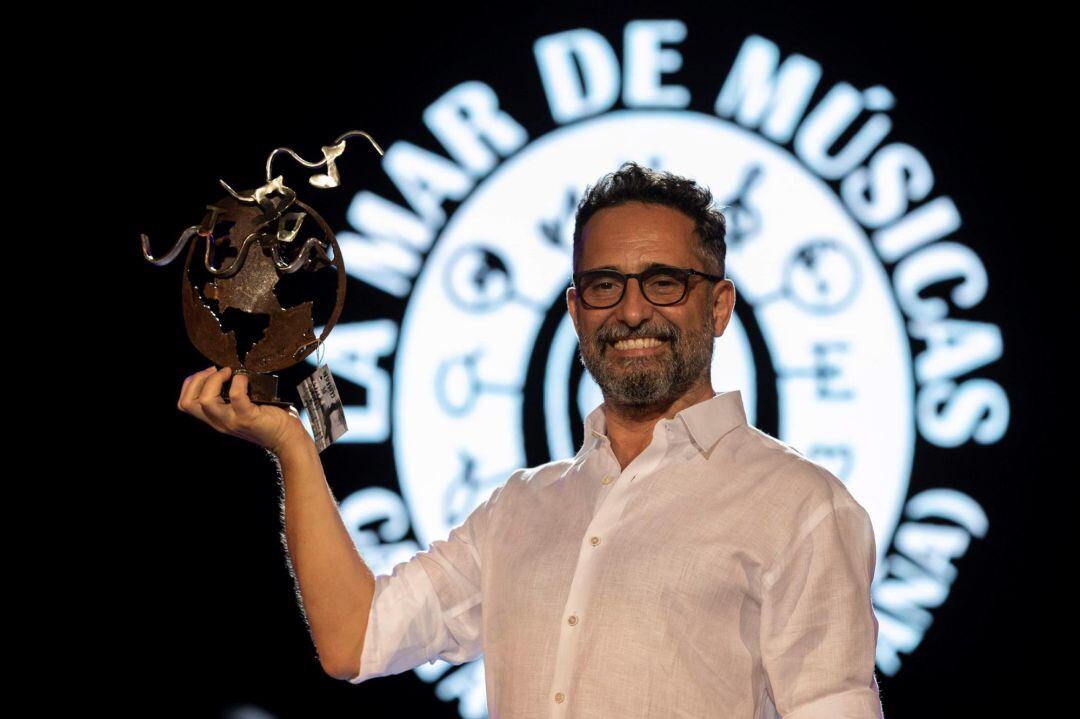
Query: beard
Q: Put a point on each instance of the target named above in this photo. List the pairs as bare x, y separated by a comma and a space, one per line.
650, 381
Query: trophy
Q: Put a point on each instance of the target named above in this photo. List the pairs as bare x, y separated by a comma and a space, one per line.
251, 296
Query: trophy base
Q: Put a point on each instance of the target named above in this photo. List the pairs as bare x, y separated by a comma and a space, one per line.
262, 388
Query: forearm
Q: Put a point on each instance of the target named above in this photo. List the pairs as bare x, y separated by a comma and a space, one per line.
335, 584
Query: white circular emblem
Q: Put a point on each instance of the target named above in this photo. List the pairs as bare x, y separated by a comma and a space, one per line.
487, 377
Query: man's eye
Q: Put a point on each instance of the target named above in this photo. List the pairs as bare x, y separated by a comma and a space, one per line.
665, 283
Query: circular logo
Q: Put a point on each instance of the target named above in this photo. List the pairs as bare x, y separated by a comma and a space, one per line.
829, 251
487, 377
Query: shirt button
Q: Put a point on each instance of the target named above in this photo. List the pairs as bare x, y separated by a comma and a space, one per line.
559, 697
594, 541
572, 620
608, 479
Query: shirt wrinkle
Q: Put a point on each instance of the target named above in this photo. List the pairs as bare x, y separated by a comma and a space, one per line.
592, 590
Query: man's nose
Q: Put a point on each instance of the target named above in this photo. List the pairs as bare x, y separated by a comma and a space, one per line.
634, 308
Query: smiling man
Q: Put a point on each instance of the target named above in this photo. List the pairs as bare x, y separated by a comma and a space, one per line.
682, 564
647, 339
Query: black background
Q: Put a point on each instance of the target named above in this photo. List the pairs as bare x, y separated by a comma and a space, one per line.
199, 613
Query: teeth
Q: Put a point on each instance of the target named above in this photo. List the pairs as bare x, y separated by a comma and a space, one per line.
637, 344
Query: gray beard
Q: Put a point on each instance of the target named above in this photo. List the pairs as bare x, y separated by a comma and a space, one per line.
645, 382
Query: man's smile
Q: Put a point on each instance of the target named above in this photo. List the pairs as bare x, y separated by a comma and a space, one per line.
638, 347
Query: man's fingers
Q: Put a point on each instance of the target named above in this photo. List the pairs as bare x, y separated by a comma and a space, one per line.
238, 394
210, 397
183, 391
211, 387
189, 393
199, 379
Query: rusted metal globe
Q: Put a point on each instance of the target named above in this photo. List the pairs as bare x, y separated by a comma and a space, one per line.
260, 318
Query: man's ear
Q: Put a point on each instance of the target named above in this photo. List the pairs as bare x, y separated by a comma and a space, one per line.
571, 306
723, 306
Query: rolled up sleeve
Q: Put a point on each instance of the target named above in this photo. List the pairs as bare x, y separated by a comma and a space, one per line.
818, 628
429, 607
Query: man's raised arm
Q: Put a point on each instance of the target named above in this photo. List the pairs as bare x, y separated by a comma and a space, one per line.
336, 586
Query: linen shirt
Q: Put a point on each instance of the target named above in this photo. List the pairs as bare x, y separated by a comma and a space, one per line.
720, 574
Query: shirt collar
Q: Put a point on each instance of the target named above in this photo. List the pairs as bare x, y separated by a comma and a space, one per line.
706, 422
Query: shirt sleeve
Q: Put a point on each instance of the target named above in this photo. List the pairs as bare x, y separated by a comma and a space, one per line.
428, 608
818, 628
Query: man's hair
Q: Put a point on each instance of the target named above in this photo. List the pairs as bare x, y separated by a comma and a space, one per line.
634, 183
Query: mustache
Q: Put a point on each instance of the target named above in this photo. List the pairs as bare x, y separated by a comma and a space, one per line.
615, 334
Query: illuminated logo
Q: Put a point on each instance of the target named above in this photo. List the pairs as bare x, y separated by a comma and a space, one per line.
836, 243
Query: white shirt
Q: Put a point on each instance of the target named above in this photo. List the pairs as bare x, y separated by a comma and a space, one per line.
721, 574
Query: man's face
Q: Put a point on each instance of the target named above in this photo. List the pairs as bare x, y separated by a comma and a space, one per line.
631, 238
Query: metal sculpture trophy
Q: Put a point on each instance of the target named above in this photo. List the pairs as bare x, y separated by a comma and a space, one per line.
249, 304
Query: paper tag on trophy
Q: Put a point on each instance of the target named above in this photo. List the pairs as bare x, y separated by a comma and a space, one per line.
323, 404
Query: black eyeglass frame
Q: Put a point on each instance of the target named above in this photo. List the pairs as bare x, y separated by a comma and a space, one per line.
642, 277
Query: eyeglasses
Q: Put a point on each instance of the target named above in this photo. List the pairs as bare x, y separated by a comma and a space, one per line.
662, 286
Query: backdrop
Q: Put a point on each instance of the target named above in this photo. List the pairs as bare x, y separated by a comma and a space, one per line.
871, 164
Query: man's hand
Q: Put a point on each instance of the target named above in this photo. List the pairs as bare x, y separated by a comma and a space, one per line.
265, 425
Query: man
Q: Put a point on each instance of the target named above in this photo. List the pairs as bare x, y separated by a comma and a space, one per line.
683, 563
